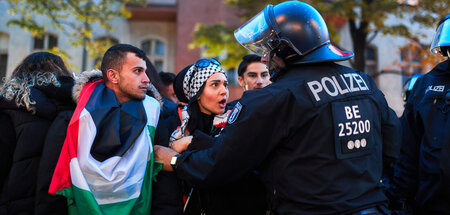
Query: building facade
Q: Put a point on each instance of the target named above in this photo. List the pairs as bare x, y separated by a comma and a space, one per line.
164, 29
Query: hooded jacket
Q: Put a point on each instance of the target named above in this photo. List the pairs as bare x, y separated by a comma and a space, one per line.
20, 193
166, 193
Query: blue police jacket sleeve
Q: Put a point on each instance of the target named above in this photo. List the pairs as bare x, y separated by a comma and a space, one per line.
405, 175
242, 145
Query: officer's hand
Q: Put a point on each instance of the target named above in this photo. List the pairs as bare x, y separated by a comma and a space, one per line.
181, 145
164, 155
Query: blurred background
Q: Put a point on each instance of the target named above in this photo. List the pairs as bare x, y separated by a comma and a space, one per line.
390, 38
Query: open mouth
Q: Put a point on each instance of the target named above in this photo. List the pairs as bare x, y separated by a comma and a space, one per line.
222, 103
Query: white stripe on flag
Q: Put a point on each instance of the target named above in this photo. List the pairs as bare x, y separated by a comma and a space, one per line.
116, 179
150, 110
152, 114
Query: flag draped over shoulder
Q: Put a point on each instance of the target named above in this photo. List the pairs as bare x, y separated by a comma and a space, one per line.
106, 164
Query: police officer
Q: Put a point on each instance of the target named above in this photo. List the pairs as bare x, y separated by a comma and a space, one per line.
421, 177
318, 133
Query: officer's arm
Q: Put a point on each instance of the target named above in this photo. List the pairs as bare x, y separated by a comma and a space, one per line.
242, 145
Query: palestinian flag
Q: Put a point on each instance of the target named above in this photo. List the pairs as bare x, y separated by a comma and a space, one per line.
106, 164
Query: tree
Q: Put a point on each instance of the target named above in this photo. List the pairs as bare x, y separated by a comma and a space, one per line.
214, 39
366, 18
74, 18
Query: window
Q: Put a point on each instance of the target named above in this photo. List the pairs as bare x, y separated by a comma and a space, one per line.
410, 57
155, 51
4, 43
47, 41
370, 54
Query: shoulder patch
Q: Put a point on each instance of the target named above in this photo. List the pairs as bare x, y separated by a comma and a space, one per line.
235, 113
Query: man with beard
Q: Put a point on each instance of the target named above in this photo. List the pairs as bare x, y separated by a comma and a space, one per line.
106, 163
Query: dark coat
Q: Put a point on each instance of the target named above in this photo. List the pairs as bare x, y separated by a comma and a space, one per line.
422, 173
166, 191
245, 196
54, 141
7, 144
300, 132
21, 193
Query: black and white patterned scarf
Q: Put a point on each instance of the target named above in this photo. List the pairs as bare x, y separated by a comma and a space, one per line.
196, 77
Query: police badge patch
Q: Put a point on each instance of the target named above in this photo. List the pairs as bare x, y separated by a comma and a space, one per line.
353, 128
235, 113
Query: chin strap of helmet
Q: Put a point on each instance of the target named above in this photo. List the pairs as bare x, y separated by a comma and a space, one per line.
272, 68
275, 70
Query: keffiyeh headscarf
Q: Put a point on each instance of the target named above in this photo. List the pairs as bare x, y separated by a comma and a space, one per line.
196, 77
188, 86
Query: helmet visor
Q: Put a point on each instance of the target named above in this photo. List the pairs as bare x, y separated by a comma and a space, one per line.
256, 35
442, 37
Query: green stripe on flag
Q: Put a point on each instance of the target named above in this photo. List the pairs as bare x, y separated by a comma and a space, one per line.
83, 202
151, 130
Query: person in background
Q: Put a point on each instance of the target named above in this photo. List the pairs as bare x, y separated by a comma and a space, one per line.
167, 91
422, 173
252, 73
38, 90
168, 107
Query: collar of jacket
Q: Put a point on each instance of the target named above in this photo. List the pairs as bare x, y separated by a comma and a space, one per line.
87, 76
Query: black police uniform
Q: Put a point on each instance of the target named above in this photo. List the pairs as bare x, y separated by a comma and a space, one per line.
419, 174
318, 134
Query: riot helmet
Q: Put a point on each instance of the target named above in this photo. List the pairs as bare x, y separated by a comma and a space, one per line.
294, 31
441, 40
